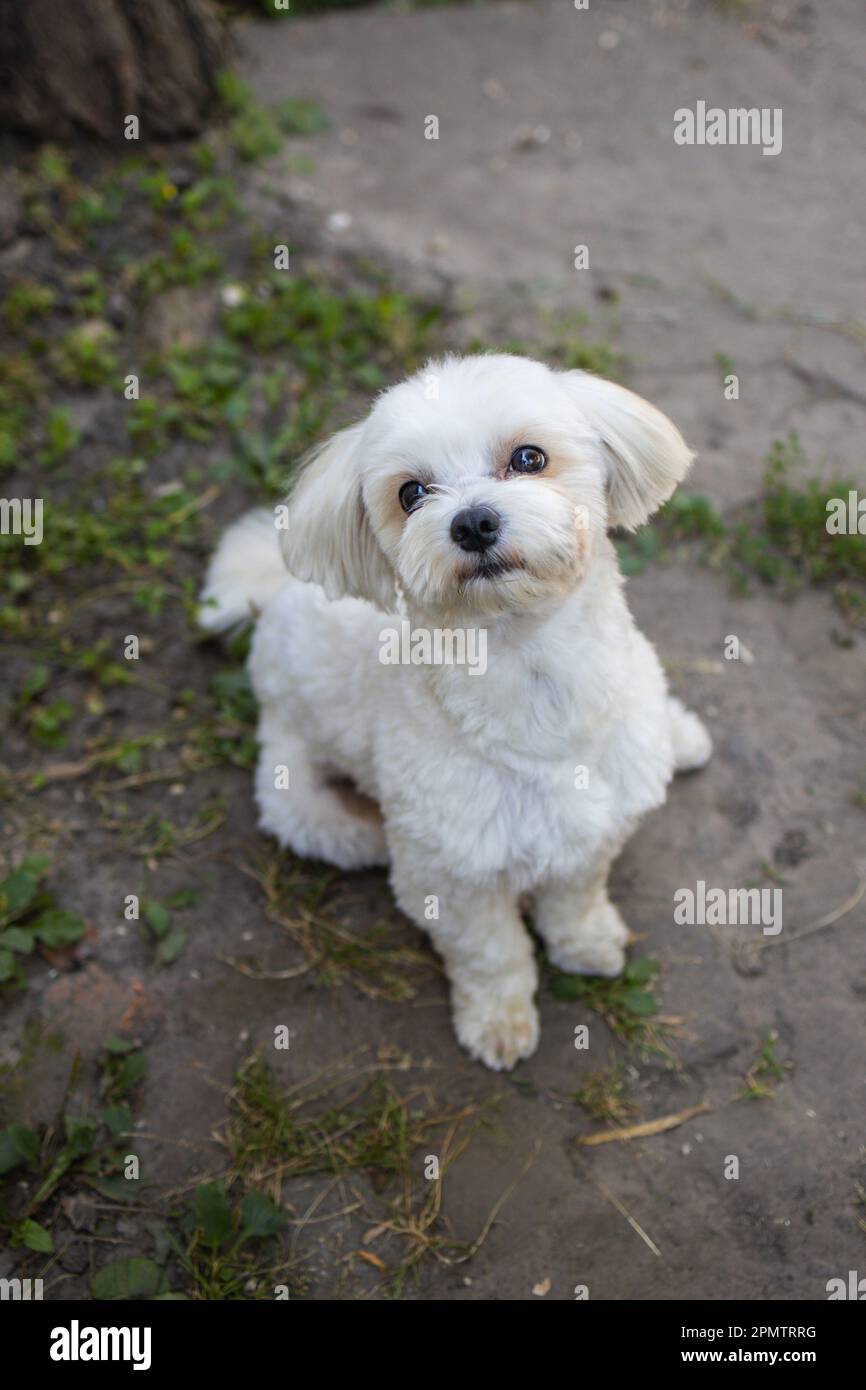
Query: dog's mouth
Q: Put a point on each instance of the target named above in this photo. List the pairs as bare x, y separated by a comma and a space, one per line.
488, 569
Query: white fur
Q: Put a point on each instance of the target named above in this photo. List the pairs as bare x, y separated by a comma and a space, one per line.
478, 776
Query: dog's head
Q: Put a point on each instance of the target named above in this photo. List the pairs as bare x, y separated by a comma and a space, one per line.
480, 484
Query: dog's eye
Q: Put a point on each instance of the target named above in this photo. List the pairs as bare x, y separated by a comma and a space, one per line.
527, 459
411, 494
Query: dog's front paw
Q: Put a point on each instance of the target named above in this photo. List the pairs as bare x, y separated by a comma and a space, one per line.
597, 946
693, 746
498, 1032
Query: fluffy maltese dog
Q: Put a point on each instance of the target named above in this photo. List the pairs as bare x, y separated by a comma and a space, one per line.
449, 679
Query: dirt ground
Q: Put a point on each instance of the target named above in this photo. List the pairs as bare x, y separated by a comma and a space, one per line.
555, 130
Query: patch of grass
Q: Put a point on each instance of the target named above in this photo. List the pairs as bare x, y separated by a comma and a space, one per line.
156, 837
86, 355
47, 722
88, 1148
627, 1004
123, 530
123, 1066
209, 203
788, 544
229, 1249
637, 551
94, 208
373, 961
604, 1095
30, 920
60, 436
351, 1123
360, 332
230, 735
297, 116
167, 938
601, 358
188, 261
560, 341
781, 540
234, 93
21, 386
207, 388
255, 135
27, 300
766, 1071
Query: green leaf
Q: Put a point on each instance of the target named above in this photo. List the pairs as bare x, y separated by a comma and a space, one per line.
80, 1134
116, 1188
35, 1237
130, 1278
212, 1212
58, 928
132, 1071
183, 898
639, 1001
260, 1216
37, 865
20, 888
35, 681
17, 1145
117, 1045
158, 918
8, 968
641, 970
118, 1119
299, 117
567, 987
171, 946
17, 939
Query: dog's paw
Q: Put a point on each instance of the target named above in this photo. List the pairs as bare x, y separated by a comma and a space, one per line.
498, 1032
597, 946
693, 746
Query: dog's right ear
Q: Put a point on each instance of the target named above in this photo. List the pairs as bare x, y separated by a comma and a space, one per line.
328, 539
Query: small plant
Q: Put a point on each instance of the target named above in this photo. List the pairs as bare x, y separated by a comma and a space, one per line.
47, 722
27, 301
604, 1095
627, 1003
765, 1072
86, 355
123, 1066
319, 1129
299, 117
780, 540
169, 940
30, 919
255, 134
61, 436
92, 1149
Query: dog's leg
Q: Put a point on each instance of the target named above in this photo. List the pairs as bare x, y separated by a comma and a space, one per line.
692, 743
488, 959
310, 811
582, 930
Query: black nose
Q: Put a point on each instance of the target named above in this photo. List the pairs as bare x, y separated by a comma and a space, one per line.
476, 528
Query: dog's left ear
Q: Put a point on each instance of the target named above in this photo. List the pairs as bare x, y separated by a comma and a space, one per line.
329, 539
646, 454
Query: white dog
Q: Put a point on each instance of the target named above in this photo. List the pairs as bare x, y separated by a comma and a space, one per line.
476, 495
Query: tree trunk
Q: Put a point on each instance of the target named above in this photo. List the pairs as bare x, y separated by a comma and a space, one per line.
80, 67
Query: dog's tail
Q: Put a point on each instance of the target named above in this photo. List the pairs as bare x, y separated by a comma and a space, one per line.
245, 572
